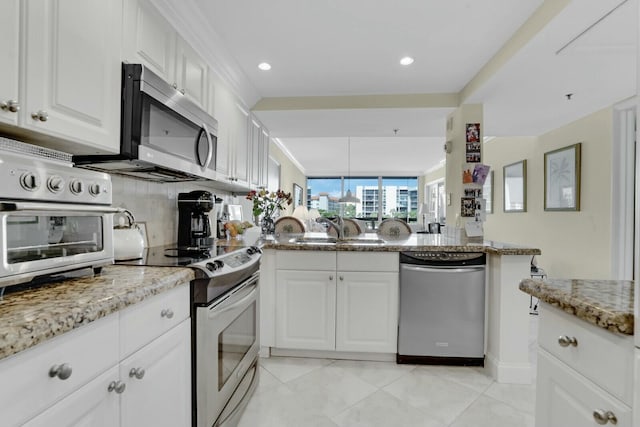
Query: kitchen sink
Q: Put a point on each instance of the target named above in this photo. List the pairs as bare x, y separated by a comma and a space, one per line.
315, 240
361, 242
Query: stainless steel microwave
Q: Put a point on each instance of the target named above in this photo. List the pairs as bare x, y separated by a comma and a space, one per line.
164, 136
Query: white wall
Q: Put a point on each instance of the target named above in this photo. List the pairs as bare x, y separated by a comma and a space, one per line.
289, 174
573, 244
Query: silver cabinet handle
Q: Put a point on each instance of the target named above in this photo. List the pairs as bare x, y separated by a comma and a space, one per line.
330, 277
61, 371
603, 417
117, 386
41, 115
182, 91
566, 341
137, 373
341, 277
167, 312
175, 85
10, 105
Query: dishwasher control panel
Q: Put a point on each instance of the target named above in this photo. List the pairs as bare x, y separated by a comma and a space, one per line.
443, 258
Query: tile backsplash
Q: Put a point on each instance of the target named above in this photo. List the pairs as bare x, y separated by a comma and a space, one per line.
156, 204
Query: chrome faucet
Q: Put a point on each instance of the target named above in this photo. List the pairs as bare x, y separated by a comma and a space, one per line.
339, 224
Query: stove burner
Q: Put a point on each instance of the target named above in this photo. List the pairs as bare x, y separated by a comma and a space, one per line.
188, 252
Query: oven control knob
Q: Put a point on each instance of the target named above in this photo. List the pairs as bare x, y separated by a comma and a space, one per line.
30, 181
253, 250
76, 186
214, 265
55, 184
95, 190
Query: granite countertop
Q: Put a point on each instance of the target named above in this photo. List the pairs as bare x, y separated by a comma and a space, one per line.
28, 317
605, 303
413, 242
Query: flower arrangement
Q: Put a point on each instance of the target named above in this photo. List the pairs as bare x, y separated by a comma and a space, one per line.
265, 202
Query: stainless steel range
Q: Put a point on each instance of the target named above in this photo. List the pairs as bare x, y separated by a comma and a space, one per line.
53, 217
224, 318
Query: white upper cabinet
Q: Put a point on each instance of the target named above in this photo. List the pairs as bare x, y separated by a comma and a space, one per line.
72, 72
149, 39
255, 146
9, 46
240, 141
191, 74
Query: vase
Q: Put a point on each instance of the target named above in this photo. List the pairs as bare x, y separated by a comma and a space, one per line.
268, 226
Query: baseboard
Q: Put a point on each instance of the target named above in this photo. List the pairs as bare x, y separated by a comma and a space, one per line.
327, 354
509, 373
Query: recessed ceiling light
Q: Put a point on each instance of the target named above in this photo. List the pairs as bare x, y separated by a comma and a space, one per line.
264, 66
407, 60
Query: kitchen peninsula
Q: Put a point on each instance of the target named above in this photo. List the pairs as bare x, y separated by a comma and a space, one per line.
311, 260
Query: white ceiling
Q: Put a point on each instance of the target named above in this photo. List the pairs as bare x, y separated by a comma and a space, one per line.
352, 47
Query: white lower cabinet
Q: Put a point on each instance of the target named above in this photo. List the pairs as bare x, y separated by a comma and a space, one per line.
336, 301
158, 382
367, 312
571, 389
85, 377
306, 307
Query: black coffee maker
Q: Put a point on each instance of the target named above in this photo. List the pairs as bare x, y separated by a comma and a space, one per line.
194, 228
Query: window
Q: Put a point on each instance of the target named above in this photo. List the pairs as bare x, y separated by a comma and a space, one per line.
435, 200
380, 197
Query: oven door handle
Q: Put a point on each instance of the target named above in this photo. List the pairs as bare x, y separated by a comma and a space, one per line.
237, 299
55, 207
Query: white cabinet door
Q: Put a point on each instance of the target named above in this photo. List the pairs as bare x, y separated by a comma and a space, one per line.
73, 71
367, 312
255, 149
264, 159
306, 309
149, 39
566, 398
223, 105
93, 405
9, 51
191, 74
240, 141
162, 394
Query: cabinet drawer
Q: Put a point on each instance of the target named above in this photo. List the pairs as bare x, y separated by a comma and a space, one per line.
306, 260
143, 322
27, 387
368, 261
566, 398
602, 356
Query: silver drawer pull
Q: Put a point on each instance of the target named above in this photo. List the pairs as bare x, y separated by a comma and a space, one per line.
61, 371
603, 417
40, 115
117, 386
566, 341
137, 372
10, 105
167, 312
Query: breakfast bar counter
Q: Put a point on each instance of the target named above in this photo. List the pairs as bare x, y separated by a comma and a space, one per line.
604, 303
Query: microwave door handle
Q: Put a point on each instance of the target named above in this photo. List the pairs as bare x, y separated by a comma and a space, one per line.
210, 143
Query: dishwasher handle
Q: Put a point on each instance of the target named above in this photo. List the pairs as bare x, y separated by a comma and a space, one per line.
459, 269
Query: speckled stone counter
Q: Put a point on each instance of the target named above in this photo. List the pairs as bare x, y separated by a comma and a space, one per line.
413, 242
29, 317
605, 303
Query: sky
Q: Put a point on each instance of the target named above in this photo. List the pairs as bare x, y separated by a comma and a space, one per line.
332, 185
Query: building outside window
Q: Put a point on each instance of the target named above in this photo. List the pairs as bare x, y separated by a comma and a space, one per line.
380, 197
435, 200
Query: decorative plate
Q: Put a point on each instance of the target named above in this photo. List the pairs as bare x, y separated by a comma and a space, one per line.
394, 227
289, 224
351, 228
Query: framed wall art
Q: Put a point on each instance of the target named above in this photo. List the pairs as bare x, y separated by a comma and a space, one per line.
562, 179
297, 195
515, 187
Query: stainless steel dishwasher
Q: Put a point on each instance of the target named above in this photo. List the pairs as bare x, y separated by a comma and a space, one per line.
442, 305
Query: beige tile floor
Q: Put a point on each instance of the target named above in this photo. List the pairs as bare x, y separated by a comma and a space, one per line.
305, 392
